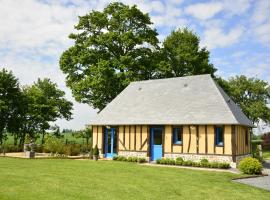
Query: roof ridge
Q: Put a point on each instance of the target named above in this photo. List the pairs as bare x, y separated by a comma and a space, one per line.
172, 78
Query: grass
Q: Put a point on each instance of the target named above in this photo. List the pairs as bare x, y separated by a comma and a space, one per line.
266, 154
74, 179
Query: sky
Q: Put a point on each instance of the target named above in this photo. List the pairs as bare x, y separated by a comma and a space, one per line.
34, 33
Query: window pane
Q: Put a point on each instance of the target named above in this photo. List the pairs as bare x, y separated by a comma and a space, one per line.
219, 135
177, 136
157, 137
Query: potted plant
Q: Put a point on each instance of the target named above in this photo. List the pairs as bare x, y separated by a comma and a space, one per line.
29, 153
95, 153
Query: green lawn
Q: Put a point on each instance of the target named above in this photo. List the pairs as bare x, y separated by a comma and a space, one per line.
84, 179
266, 154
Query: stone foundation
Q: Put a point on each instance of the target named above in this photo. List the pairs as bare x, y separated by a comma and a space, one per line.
139, 154
239, 158
197, 158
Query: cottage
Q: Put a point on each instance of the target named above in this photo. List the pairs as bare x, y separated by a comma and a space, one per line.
189, 117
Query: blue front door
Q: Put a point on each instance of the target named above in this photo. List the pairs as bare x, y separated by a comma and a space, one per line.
110, 142
156, 143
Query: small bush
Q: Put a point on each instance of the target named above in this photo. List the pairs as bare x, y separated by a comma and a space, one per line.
12, 148
224, 165
129, 159
250, 166
134, 159
141, 160
204, 162
96, 151
115, 158
121, 158
158, 161
187, 163
179, 161
71, 149
257, 154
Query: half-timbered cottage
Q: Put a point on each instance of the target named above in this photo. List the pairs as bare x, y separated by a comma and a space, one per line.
189, 117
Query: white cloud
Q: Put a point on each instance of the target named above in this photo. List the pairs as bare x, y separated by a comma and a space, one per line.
215, 37
260, 22
203, 11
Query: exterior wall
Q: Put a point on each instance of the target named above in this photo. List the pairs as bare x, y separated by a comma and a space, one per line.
197, 141
242, 148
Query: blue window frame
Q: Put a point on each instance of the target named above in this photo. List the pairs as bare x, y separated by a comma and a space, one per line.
219, 135
177, 135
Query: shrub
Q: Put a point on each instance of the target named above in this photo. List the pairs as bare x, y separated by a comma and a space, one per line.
250, 166
12, 148
96, 151
53, 145
196, 164
158, 161
214, 164
71, 149
115, 158
141, 160
257, 154
134, 159
179, 161
224, 165
204, 162
187, 163
129, 159
121, 158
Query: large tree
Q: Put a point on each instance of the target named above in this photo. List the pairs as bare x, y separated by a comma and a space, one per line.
252, 95
10, 94
111, 49
181, 55
45, 104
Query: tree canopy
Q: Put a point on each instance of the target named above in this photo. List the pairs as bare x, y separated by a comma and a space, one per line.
182, 56
10, 94
30, 110
112, 48
46, 104
252, 95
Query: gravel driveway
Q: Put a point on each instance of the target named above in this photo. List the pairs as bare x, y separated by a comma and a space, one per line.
261, 182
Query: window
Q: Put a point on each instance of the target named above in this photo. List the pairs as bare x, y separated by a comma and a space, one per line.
246, 138
177, 135
219, 136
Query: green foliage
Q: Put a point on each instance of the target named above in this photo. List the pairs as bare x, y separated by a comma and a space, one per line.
129, 159
10, 96
72, 150
11, 148
96, 151
181, 55
141, 160
202, 163
46, 104
112, 48
257, 154
252, 94
53, 145
250, 166
179, 161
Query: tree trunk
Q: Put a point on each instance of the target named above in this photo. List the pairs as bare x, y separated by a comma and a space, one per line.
42, 138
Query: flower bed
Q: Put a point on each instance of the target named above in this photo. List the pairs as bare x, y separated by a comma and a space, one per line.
129, 159
203, 163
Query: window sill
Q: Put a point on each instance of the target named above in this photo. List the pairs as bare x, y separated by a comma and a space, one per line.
219, 145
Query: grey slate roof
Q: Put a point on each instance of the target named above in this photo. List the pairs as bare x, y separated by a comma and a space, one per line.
184, 100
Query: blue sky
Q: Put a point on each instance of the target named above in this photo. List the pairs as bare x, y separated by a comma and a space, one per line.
34, 33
